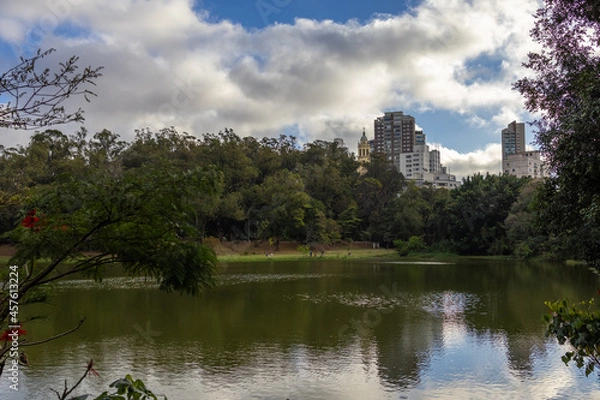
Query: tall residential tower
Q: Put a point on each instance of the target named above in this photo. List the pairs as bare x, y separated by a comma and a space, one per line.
516, 160
407, 149
394, 135
513, 139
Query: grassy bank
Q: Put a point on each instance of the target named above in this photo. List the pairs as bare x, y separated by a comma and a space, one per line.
341, 254
359, 254
345, 254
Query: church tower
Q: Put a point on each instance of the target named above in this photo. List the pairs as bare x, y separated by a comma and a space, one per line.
364, 152
364, 148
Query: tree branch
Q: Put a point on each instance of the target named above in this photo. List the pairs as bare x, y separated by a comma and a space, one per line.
25, 343
37, 98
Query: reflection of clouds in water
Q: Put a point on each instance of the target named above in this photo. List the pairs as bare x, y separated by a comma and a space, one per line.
480, 371
449, 305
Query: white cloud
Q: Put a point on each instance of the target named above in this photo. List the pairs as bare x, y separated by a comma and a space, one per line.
166, 64
462, 165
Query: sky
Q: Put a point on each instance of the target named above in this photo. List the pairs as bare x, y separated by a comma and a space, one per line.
312, 69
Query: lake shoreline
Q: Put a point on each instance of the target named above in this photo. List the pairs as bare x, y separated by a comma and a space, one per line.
390, 255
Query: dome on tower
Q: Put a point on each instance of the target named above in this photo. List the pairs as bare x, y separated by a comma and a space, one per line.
363, 138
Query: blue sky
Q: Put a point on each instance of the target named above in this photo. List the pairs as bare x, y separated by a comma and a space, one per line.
261, 13
315, 69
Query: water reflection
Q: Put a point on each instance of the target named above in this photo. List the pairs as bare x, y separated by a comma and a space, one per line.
319, 331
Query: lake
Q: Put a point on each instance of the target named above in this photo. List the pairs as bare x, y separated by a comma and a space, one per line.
317, 330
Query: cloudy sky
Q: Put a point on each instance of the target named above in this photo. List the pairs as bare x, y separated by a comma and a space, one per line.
314, 69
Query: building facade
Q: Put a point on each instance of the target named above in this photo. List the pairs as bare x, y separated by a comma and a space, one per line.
527, 163
516, 160
513, 139
394, 135
364, 153
364, 149
423, 166
407, 149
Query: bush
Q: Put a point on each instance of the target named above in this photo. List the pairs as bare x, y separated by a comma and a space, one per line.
414, 244
523, 251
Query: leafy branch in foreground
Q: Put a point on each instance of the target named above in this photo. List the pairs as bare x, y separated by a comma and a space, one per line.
37, 95
579, 326
126, 388
142, 220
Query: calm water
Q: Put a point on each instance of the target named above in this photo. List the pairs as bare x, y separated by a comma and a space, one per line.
310, 330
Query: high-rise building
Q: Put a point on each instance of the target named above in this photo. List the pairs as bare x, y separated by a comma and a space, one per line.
516, 160
394, 135
435, 165
407, 149
513, 139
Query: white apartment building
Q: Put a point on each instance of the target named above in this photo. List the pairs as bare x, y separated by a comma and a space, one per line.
406, 148
516, 160
423, 166
527, 163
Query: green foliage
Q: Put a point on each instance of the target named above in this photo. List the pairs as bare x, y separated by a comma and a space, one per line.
564, 89
477, 212
522, 251
579, 326
304, 249
270, 188
524, 229
408, 213
414, 244
374, 193
283, 205
126, 389
142, 220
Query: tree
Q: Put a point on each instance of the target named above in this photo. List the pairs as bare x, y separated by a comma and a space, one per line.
523, 230
477, 211
37, 96
407, 213
565, 90
329, 173
374, 193
142, 220
283, 206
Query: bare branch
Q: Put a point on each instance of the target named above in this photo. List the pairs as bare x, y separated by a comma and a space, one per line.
37, 96
67, 391
25, 343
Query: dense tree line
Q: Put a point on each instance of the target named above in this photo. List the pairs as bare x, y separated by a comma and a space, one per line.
274, 189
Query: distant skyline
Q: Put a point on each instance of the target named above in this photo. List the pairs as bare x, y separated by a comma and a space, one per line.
312, 69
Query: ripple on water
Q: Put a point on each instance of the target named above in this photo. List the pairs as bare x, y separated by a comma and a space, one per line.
128, 282
449, 303
437, 303
237, 279
123, 282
